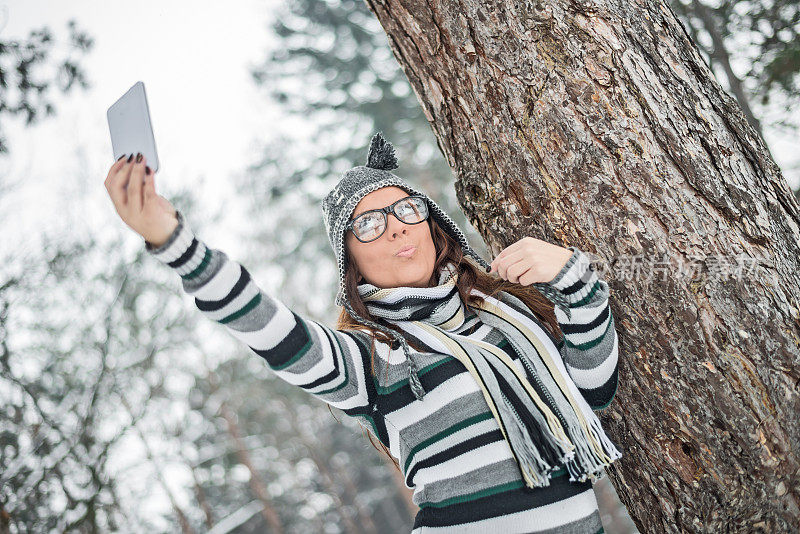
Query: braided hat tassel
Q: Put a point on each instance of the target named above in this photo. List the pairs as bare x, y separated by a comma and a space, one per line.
413, 373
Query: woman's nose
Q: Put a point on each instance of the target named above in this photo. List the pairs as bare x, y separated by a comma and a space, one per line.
395, 226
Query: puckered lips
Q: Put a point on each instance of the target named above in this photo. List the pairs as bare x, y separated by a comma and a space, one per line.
406, 251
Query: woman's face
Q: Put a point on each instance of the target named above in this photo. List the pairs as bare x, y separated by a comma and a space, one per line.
377, 261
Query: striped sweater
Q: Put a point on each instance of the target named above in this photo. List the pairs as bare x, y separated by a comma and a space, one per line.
449, 446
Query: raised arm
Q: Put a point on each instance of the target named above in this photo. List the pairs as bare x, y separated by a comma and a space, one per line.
590, 344
332, 365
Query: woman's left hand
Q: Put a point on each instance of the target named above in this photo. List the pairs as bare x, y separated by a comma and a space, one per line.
530, 260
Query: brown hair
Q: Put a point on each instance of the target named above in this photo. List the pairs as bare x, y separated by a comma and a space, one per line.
470, 275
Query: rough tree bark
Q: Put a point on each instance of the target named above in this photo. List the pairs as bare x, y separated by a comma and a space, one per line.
598, 124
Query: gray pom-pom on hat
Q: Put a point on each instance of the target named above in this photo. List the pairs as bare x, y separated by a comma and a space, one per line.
381, 154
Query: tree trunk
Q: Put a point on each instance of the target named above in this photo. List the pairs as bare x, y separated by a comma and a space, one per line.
597, 124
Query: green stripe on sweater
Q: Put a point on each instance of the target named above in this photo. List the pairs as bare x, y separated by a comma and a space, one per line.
243, 311
486, 492
588, 297
597, 408
300, 352
593, 343
447, 432
383, 390
474, 496
200, 268
400, 383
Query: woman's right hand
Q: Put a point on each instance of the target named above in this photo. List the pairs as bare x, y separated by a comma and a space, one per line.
133, 192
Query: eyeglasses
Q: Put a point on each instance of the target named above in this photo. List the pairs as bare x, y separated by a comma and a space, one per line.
371, 224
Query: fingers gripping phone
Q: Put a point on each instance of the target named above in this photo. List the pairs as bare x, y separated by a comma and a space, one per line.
130, 126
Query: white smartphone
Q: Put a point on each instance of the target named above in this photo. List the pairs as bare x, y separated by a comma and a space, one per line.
130, 126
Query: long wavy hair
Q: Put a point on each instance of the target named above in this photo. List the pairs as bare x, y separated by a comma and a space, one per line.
470, 275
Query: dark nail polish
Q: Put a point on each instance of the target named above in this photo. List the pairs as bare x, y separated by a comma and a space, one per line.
130, 158
138, 157
147, 170
489, 269
122, 156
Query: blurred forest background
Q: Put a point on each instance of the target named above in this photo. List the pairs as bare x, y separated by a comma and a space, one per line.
121, 409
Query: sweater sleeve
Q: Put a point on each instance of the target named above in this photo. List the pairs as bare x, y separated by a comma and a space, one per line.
332, 365
590, 345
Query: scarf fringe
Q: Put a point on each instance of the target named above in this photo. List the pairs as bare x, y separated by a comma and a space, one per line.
556, 445
576, 454
535, 469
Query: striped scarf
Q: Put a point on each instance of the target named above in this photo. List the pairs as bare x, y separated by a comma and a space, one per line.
542, 415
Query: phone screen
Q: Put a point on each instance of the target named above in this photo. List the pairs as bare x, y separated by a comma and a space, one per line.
130, 126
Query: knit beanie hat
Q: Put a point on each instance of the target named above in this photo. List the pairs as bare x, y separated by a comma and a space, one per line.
338, 206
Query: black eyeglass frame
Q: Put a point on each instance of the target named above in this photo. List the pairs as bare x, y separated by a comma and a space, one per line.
385, 211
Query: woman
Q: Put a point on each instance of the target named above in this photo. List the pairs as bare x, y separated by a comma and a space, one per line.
482, 392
